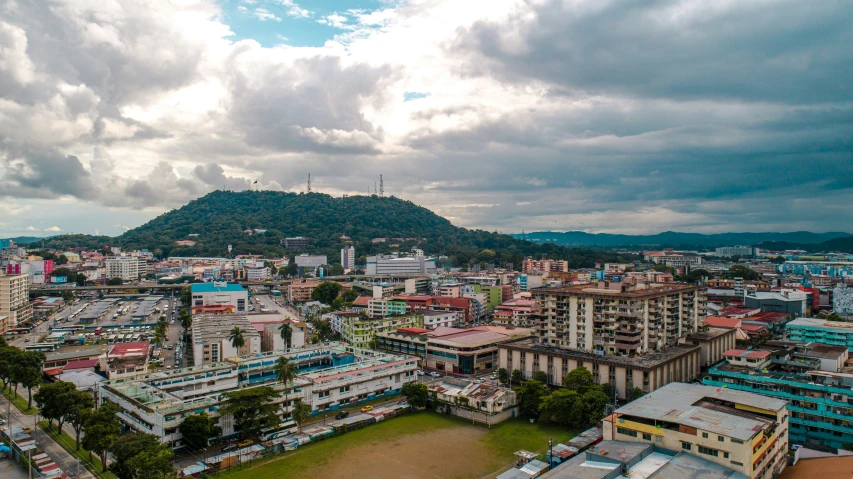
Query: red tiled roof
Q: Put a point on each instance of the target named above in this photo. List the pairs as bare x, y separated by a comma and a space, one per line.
84, 364
742, 353
768, 317
52, 372
129, 349
753, 328
722, 322
738, 311
735, 352
412, 330
361, 301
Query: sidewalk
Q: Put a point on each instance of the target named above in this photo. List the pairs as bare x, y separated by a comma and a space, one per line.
57, 453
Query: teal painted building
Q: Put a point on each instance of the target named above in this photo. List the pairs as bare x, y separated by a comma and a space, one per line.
814, 330
820, 402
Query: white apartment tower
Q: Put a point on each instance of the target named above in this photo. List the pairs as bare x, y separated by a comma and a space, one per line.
15, 299
348, 258
124, 267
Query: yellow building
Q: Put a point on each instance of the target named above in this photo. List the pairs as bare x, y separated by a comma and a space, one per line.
742, 431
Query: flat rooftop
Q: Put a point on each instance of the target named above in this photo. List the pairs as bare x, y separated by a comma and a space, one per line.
592, 288
217, 288
692, 405
822, 323
710, 334
647, 360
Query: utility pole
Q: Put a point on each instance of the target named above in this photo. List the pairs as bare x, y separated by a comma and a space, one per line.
309, 182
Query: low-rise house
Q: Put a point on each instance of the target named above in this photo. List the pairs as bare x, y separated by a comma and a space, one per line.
477, 401
125, 360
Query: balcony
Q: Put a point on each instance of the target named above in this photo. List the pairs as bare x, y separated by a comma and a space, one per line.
627, 346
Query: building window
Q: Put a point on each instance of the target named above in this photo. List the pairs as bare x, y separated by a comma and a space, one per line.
686, 446
705, 435
708, 451
721, 438
627, 432
725, 455
323, 394
647, 437
737, 441
344, 389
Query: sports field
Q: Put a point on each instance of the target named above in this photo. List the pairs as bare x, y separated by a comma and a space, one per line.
414, 446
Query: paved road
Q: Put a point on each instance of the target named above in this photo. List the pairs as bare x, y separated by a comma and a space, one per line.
60, 456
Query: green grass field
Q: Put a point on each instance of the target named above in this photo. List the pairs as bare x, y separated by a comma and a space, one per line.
69, 444
412, 443
21, 401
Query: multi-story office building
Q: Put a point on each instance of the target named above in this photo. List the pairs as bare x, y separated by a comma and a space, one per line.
299, 291
785, 301
382, 265
219, 293
623, 373
834, 333
359, 331
385, 307
329, 376
459, 351
348, 258
813, 378
211, 342
297, 242
439, 319
742, 431
123, 267
310, 263
545, 266
673, 259
836, 269
15, 299
618, 318
729, 251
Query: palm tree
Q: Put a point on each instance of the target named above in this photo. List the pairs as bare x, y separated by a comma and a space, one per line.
236, 338
285, 372
300, 412
286, 334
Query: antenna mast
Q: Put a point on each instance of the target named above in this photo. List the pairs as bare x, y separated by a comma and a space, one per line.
381, 187
309, 182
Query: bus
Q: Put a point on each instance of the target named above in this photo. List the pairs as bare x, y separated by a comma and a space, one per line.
21, 330
275, 432
43, 347
99, 330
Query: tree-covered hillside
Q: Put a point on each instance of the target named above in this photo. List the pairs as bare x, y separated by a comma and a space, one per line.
220, 218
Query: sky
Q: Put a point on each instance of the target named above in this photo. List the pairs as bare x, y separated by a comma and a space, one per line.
508, 115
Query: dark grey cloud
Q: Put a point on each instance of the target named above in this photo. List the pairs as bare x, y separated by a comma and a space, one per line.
787, 51
45, 173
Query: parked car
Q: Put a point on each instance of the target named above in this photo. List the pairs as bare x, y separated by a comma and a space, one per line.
367, 409
434, 374
421, 373
342, 415
245, 443
229, 447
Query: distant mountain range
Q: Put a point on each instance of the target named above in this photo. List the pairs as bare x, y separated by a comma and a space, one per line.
24, 239
674, 239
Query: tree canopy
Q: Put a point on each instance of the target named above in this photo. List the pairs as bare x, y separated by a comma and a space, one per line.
197, 429
322, 219
326, 292
416, 394
251, 408
578, 379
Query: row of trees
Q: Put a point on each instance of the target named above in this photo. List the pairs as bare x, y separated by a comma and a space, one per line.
579, 403
135, 455
20, 368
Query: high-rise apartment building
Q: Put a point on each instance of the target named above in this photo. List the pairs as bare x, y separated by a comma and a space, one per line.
348, 258
124, 267
545, 266
618, 318
15, 299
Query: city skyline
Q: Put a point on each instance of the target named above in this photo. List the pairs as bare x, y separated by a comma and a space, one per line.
610, 117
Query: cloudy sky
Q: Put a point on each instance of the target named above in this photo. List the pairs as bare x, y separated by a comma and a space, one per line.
603, 116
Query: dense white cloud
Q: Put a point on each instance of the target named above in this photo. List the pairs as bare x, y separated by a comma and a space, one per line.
594, 115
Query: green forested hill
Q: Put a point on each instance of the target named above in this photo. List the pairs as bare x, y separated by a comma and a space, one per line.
220, 218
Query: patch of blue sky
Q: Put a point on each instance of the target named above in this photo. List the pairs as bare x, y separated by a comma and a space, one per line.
414, 95
293, 22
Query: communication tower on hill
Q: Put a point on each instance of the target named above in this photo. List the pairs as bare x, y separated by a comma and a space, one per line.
381, 187
309, 182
